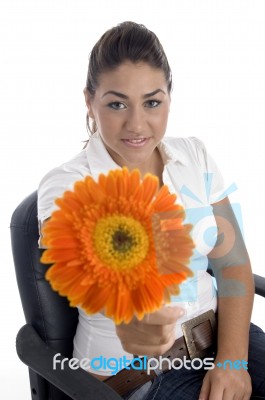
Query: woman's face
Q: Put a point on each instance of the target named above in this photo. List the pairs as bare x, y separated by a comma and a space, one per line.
130, 108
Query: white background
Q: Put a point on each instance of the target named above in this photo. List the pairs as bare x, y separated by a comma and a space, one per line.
217, 53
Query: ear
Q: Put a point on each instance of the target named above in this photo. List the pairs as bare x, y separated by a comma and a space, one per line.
88, 101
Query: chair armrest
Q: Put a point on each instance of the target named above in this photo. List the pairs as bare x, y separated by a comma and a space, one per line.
259, 285
78, 384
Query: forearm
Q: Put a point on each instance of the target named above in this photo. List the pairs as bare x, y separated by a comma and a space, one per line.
231, 267
235, 301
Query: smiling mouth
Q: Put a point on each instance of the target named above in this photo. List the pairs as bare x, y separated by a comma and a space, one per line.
135, 142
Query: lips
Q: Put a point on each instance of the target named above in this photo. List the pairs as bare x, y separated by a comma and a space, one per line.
140, 142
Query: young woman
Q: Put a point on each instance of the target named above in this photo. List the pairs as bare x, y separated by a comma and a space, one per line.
127, 95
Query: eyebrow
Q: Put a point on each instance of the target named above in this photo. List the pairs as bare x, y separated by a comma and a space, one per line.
123, 96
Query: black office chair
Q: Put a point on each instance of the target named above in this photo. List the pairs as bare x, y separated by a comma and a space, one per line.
51, 323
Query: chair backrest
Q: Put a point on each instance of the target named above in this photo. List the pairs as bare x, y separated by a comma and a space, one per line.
48, 312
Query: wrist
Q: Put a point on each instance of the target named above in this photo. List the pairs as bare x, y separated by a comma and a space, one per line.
228, 362
232, 355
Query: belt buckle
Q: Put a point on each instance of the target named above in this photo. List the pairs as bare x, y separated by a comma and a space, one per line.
187, 333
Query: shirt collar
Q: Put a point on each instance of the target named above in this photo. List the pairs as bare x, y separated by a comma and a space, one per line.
100, 161
172, 152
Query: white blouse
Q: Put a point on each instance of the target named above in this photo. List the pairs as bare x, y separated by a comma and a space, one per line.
190, 173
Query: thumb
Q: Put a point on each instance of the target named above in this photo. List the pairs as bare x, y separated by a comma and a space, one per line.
205, 390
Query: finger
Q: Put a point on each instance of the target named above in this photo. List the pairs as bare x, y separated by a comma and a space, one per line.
247, 396
228, 394
165, 316
205, 389
217, 392
147, 349
143, 333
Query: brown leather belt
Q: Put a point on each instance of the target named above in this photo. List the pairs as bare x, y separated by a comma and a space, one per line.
198, 341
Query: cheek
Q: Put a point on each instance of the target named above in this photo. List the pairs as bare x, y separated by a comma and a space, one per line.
160, 121
106, 119
104, 122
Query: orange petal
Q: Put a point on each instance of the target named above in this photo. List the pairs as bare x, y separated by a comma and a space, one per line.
150, 186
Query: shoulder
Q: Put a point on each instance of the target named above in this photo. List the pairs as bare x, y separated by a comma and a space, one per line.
76, 168
58, 180
194, 156
185, 143
191, 149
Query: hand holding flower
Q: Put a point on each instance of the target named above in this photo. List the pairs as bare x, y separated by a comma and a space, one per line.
153, 335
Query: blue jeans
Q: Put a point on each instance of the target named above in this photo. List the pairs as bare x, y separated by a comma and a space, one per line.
186, 384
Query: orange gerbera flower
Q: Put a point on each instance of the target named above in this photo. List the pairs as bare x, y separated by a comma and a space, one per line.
117, 245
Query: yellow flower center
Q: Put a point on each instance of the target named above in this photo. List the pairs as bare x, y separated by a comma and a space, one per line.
120, 242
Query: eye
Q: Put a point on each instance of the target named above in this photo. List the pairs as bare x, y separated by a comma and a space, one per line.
116, 105
152, 103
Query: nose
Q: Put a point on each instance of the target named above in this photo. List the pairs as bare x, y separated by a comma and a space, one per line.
135, 120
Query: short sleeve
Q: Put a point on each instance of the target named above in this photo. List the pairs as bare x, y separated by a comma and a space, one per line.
214, 180
57, 181
52, 186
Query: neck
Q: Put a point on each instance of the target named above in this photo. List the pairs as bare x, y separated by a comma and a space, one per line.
155, 166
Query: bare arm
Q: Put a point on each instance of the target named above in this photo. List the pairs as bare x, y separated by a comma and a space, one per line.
231, 266
232, 269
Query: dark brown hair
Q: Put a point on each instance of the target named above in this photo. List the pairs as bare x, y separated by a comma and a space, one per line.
126, 41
